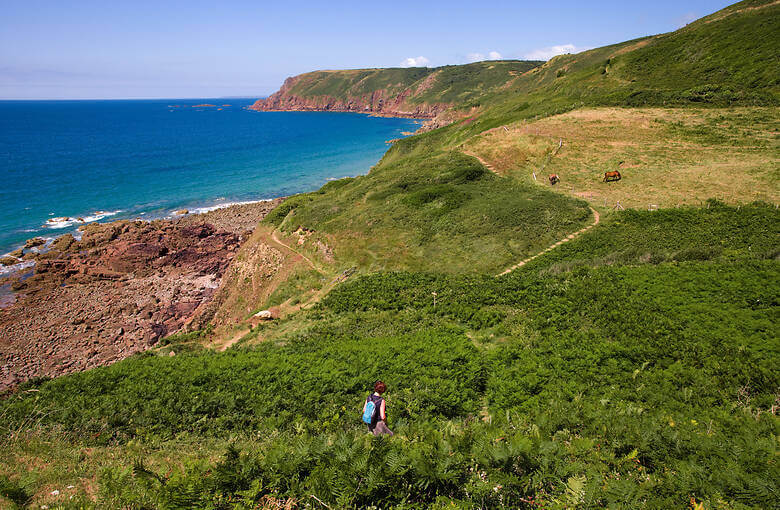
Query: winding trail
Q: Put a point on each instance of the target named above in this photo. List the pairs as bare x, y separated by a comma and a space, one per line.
568, 238
484, 163
286, 307
316, 296
276, 239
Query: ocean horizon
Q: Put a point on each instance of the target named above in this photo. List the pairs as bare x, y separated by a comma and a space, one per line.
71, 162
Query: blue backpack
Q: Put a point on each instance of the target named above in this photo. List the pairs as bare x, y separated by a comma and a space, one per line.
371, 409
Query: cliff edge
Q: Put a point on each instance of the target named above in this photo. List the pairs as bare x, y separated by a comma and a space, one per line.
418, 92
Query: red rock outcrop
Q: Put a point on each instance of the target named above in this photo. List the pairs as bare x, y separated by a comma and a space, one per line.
117, 291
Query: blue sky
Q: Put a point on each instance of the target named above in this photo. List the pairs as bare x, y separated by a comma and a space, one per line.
139, 49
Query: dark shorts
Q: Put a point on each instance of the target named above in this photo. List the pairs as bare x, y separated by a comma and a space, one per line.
380, 428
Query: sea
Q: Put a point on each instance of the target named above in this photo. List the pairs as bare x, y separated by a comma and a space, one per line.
66, 163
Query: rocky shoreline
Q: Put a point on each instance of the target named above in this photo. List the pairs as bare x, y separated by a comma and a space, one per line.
116, 291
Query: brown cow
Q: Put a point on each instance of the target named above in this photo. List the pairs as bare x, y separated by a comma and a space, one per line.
553, 179
611, 176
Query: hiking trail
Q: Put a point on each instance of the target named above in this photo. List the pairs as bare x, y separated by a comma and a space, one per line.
278, 241
287, 308
482, 161
568, 238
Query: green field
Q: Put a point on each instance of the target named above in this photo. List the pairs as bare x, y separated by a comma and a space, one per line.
634, 366
427, 209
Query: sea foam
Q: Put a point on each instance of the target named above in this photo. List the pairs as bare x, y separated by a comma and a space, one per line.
15, 268
68, 221
202, 210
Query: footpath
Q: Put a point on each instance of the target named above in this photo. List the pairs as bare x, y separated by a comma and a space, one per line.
553, 246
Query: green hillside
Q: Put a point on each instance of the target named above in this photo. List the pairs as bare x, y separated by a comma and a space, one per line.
340, 84
425, 208
447, 84
459, 84
726, 59
644, 382
632, 366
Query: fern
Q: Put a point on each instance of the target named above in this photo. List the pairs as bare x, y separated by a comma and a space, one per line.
142, 472
14, 492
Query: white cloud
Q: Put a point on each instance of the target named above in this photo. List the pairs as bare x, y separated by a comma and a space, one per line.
478, 57
550, 52
415, 62
683, 20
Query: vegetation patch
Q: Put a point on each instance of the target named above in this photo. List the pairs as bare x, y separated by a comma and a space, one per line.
431, 209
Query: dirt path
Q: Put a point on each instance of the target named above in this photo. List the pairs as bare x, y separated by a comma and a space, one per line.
230, 343
320, 293
286, 308
484, 163
568, 238
276, 239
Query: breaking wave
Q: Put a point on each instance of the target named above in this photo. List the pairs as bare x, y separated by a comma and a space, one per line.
68, 221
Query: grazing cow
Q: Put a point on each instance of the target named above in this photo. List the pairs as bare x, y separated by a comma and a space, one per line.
553, 179
611, 176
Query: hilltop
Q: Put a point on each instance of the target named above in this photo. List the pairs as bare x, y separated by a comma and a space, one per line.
631, 366
727, 58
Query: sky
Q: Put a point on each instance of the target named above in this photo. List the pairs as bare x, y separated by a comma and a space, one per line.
78, 49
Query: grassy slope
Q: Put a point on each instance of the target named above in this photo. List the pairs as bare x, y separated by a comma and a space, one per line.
707, 56
342, 84
427, 209
667, 156
408, 214
633, 367
728, 58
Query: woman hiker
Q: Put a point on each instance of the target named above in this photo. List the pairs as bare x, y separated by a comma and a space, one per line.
374, 414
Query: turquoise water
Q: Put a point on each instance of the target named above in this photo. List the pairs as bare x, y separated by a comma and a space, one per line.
106, 160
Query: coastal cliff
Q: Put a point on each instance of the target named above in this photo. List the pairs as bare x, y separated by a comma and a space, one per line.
378, 102
419, 92
392, 100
